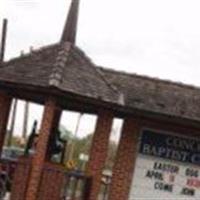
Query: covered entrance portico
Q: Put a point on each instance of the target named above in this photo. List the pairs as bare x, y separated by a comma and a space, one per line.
61, 76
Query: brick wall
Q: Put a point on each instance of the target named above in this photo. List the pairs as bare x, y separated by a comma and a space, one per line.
54, 127
50, 185
124, 165
20, 179
99, 150
125, 159
52, 182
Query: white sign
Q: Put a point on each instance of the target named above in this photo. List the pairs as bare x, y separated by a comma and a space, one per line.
84, 157
167, 168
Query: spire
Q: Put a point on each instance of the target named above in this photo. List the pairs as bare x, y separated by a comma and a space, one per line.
69, 32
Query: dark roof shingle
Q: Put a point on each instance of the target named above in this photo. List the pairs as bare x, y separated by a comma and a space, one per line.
62, 66
155, 95
68, 69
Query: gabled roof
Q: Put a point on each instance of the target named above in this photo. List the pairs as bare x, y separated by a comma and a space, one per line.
155, 95
32, 69
66, 68
62, 66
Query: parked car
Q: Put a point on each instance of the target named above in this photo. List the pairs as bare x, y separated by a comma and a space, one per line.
12, 153
8, 162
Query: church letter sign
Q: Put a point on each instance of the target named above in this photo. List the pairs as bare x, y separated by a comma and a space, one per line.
167, 167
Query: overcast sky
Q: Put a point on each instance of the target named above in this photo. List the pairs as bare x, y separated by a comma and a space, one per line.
157, 38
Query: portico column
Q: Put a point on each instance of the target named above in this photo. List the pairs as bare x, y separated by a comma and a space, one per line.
54, 128
99, 150
5, 104
125, 161
39, 158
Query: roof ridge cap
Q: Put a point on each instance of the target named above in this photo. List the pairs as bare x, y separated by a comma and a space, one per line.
82, 54
121, 99
86, 59
100, 72
56, 75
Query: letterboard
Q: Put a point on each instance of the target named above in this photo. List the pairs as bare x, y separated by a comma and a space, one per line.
167, 167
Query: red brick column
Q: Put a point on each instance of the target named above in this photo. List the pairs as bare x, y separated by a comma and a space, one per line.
98, 152
5, 103
55, 126
41, 149
20, 179
52, 182
125, 160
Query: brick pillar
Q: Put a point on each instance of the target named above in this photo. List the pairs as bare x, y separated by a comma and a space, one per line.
5, 103
125, 160
98, 152
55, 126
41, 149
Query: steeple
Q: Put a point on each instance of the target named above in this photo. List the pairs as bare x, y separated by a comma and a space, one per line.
70, 29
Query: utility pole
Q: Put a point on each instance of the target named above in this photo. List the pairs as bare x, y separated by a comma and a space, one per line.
12, 125
3, 40
71, 154
25, 123
2, 55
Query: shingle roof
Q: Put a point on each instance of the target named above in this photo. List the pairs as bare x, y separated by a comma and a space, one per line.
33, 69
66, 68
155, 95
62, 66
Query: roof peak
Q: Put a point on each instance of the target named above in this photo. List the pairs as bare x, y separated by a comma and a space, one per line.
70, 28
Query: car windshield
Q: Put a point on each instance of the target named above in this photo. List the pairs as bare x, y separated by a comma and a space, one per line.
12, 153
